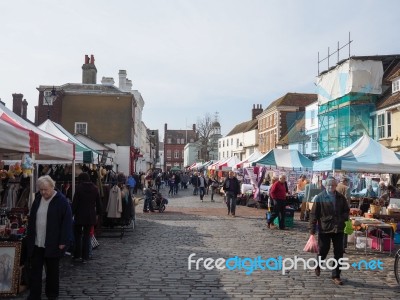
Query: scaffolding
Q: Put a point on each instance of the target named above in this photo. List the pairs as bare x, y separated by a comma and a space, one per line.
343, 121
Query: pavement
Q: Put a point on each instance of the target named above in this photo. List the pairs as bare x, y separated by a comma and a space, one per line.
151, 261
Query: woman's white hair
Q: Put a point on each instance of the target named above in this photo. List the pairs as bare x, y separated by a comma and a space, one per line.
45, 180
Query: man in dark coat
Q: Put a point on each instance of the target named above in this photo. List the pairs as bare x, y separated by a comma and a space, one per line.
48, 234
231, 188
330, 211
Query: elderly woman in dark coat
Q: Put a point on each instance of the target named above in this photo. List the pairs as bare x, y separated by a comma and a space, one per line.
86, 207
49, 231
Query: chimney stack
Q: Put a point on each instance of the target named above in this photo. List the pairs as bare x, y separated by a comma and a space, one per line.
17, 104
257, 109
122, 80
89, 71
24, 109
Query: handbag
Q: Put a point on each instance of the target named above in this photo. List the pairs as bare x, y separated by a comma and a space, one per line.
215, 184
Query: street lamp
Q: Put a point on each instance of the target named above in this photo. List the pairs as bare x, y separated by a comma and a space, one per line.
50, 98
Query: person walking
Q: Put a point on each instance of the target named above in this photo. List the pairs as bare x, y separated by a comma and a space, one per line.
214, 183
278, 195
48, 235
131, 183
330, 211
195, 183
202, 184
86, 209
344, 189
231, 188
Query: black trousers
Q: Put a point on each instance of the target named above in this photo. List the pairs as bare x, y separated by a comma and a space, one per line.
37, 262
279, 212
82, 238
324, 244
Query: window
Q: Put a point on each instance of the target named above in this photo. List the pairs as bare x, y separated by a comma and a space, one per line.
381, 126
312, 118
389, 124
395, 85
237, 143
231, 141
176, 154
314, 142
168, 153
46, 99
168, 140
182, 141
223, 143
192, 140
81, 127
183, 153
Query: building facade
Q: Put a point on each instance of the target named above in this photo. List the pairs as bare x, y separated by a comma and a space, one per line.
102, 111
281, 115
174, 144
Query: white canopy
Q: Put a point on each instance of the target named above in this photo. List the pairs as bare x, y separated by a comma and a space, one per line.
364, 155
82, 152
19, 136
247, 162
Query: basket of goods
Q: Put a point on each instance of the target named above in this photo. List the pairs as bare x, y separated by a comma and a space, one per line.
375, 209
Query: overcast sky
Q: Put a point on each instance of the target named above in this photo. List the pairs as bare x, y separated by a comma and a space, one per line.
188, 57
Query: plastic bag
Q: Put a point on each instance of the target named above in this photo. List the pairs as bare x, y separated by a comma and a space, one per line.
312, 245
348, 229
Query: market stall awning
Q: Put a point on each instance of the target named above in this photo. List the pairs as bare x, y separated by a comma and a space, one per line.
364, 155
214, 166
229, 164
247, 162
83, 154
285, 159
19, 135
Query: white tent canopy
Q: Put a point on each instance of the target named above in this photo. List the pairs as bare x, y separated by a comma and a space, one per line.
364, 155
19, 136
82, 152
247, 162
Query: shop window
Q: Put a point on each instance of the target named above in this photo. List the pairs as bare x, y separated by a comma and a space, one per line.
81, 127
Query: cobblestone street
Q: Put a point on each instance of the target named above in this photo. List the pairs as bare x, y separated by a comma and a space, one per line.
151, 262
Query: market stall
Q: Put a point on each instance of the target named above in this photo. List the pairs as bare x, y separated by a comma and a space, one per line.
365, 156
20, 139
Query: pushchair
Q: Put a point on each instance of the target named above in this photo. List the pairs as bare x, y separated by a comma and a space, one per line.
158, 201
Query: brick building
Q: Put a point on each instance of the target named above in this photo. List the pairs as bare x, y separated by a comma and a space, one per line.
174, 144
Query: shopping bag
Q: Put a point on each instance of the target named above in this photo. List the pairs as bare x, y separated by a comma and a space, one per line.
312, 245
94, 242
348, 229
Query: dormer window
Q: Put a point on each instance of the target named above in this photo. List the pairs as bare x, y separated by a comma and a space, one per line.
396, 85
